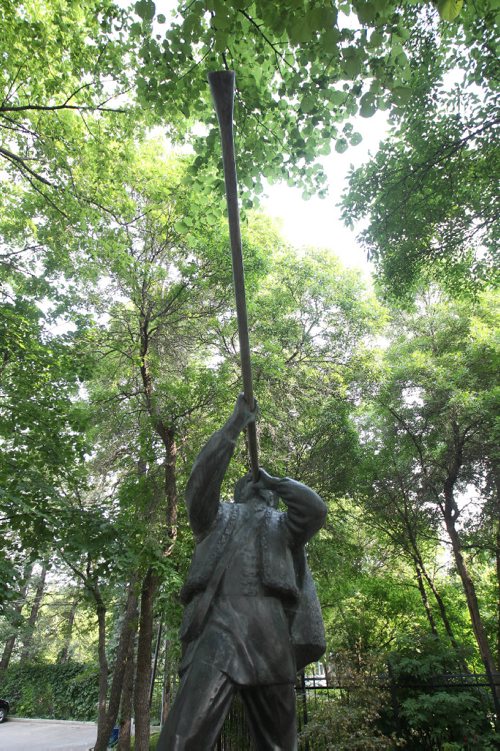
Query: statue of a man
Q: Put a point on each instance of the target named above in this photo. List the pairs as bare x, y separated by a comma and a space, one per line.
252, 617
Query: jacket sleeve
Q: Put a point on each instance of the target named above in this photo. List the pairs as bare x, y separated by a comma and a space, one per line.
204, 484
306, 511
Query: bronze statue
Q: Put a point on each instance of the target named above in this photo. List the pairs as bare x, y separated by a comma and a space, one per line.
252, 616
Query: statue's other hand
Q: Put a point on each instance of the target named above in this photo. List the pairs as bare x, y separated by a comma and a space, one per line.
243, 412
265, 480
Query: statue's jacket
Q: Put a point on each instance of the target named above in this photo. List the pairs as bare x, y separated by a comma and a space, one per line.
280, 539
276, 562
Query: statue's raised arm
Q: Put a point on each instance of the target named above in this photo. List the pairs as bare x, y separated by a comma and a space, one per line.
207, 475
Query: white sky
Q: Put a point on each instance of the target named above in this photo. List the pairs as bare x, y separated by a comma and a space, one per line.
317, 221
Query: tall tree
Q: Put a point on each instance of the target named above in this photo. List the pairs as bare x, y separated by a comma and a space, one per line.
438, 401
152, 376
393, 503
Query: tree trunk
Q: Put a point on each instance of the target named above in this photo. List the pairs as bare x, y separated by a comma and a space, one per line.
421, 567
496, 514
127, 701
166, 698
143, 670
16, 621
155, 663
64, 653
498, 592
440, 603
27, 650
170, 487
127, 633
443, 613
103, 664
470, 594
7, 653
150, 584
425, 599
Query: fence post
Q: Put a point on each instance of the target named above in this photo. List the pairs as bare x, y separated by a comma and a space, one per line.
393, 688
304, 704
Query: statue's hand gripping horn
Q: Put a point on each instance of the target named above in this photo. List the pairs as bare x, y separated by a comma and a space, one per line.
222, 86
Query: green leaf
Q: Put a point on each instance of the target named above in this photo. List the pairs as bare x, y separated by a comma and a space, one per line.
308, 103
352, 62
366, 13
368, 105
341, 145
450, 9
330, 40
402, 94
337, 97
145, 9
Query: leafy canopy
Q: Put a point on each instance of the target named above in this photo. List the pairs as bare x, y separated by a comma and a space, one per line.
430, 194
303, 69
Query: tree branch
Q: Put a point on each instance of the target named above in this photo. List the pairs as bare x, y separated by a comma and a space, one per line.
20, 162
56, 107
274, 49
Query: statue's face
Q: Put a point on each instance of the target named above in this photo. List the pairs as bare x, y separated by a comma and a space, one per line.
245, 491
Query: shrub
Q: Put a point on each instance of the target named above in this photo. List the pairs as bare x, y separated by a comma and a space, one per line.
67, 691
431, 717
349, 719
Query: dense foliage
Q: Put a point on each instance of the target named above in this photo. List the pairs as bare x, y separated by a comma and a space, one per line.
430, 194
55, 691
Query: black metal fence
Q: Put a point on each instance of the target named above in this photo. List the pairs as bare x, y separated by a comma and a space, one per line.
314, 697
235, 735
313, 701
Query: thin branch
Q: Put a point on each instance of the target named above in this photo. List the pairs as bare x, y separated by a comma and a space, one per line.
56, 107
20, 162
11, 86
49, 200
275, 50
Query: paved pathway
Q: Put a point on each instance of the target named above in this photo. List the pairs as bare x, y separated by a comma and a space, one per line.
46, 735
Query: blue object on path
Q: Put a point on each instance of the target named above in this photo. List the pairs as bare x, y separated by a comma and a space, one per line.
113, 738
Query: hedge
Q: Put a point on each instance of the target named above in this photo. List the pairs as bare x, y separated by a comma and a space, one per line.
66, 691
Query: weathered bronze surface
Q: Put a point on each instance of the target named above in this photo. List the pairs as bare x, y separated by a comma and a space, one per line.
252, 616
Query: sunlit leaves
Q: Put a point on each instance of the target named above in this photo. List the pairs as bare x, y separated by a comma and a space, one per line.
42, 426
430, 193
299, 70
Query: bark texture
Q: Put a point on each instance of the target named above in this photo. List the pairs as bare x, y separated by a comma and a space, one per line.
127, 703
27, 651
144, 667
16, 621
127, 633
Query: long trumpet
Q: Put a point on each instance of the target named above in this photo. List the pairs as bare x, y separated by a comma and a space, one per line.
222, 85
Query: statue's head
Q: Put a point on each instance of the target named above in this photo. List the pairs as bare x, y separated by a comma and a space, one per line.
247, 491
